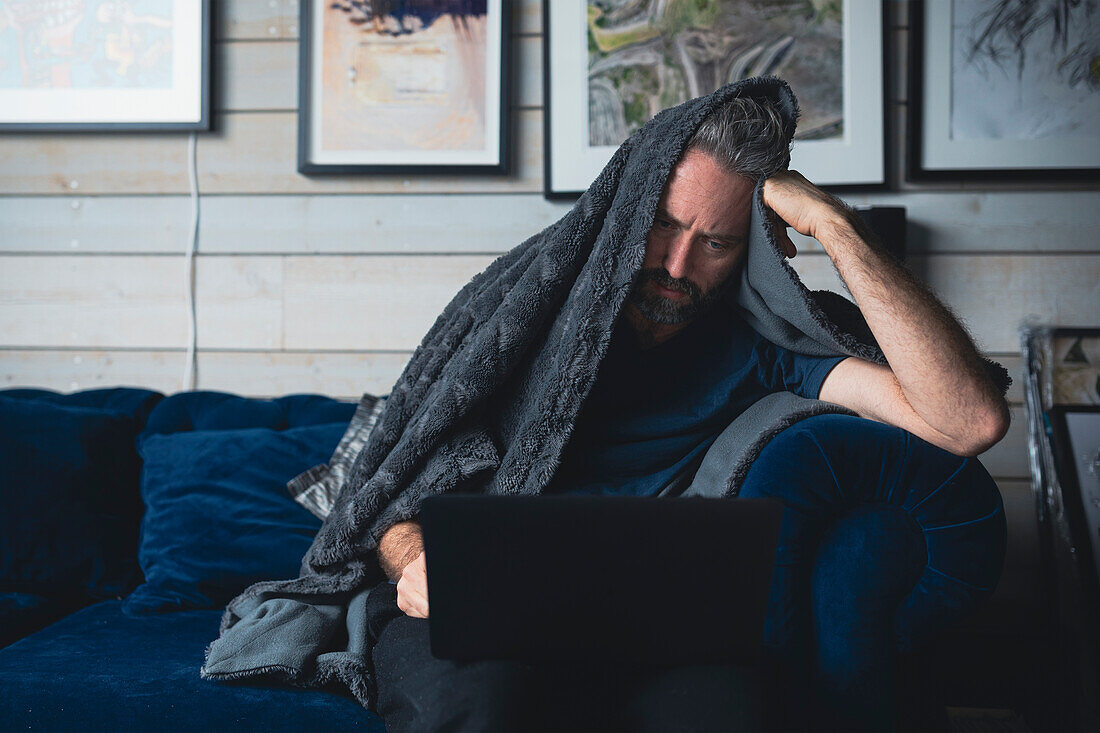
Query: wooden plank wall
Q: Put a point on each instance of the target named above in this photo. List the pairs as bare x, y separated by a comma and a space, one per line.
325, 284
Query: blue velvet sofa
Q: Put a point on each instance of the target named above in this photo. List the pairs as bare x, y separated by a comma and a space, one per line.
130, 518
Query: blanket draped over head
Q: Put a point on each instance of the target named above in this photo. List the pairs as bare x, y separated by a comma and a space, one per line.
489, 398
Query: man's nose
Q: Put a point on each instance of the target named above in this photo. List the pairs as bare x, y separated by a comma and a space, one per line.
676, 256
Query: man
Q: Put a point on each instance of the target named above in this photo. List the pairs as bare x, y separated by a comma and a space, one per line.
654, 412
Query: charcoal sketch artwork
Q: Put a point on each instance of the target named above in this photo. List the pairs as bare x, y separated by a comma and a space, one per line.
647, 55
1025, 69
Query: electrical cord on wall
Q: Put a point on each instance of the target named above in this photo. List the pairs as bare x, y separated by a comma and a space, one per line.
189, 375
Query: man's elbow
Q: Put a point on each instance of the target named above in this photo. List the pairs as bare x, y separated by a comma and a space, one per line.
987, 429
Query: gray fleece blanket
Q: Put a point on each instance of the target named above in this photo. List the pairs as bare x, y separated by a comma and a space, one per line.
489, 398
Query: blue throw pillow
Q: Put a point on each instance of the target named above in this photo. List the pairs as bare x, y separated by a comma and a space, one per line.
69, 498
218, 516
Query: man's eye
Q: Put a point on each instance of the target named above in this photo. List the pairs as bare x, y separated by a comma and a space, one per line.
663, 223
716, 245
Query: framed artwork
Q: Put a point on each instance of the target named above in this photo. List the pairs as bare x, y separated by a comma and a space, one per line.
1003, 90
403, 87
72, 65
608, 71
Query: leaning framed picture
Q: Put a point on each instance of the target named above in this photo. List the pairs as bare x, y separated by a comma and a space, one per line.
1003, 90
1075, 435
403, 87
608, 69
104, 65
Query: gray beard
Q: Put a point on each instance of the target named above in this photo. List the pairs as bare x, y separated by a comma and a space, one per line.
659, 309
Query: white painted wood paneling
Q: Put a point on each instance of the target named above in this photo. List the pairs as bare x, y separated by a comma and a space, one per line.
993, 294
255, 19
356, 223
253, 152
257, 153
1002, 222
64, 164
137, 301
71, 370
385, 302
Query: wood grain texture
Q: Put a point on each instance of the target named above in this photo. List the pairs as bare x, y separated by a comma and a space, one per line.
84, 163
138, 302
255, 224
257, 153
254, 152
997, 222
248, 301
255, 19
993, 294
383, 302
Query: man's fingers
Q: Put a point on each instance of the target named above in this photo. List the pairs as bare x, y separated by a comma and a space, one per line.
781, 236
412, 591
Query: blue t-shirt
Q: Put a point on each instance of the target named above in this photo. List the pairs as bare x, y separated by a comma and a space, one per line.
652, 413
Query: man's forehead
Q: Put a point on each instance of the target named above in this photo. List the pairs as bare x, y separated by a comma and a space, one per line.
718, 211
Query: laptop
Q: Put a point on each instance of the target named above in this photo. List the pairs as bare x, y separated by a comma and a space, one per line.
658, 580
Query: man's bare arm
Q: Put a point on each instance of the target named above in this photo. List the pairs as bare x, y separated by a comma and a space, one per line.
935, 374
398, 547
401, 555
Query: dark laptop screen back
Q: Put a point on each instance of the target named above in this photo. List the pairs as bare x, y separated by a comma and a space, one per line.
554, 578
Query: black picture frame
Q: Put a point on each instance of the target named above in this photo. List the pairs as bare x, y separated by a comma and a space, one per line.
917, 170
877, 35
200, 90
309, 166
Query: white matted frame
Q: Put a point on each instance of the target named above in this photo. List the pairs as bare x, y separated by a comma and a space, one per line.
934, 154
184, 104
857, 160
318, 154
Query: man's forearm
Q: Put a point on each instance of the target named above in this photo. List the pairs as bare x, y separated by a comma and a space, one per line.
399, 546
934, 360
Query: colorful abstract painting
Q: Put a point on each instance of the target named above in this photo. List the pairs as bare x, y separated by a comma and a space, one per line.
86, 44
647, 55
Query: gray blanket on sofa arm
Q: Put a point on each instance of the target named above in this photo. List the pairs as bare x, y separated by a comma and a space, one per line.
489, 398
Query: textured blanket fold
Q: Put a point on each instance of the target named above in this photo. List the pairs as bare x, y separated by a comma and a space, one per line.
489, 398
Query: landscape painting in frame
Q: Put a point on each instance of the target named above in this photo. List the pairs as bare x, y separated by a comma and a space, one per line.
1005, 88
611, 65
104, 64
403, 86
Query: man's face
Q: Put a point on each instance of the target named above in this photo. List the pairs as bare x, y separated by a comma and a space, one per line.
696, 243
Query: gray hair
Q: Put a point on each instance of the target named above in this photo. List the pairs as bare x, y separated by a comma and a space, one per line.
745, 137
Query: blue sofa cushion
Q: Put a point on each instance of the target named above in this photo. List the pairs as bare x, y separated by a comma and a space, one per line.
208, 410
218, 515
101, 669
133, 401
25, 613
69, 492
